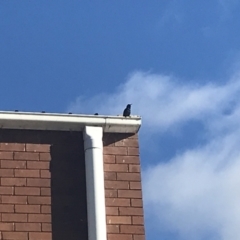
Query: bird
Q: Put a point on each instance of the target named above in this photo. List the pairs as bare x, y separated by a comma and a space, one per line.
127, 111
96, 114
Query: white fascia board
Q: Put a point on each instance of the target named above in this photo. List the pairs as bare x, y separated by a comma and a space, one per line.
68, 122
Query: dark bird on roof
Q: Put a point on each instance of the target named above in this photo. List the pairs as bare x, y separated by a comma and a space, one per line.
96, 114
127, 111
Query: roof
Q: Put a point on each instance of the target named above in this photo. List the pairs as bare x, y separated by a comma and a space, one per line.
68, 122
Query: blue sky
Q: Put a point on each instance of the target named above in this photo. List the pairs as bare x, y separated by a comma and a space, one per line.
177, 61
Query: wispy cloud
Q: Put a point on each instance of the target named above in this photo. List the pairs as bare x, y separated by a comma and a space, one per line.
195, 193
163, 101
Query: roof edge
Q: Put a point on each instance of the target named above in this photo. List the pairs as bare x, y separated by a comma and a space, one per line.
68, 122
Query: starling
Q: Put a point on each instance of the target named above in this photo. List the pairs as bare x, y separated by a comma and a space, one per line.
127, 111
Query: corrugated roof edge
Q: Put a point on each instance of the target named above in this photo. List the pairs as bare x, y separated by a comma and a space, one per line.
68, 122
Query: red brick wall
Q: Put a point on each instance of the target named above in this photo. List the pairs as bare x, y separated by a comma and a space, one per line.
124, 207
42, 185
25, 191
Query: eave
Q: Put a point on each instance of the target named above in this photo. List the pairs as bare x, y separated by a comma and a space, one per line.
68, 122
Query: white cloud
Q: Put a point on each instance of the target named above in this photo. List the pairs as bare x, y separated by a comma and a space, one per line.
196, 193
163, 101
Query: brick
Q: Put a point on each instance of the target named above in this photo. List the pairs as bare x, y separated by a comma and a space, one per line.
29, 191
134, 168
113, 236
7, 208
26, 156
129, 176
133, 136
27, 173
132, 229
128, 159
119, 220
115, 167
14, 217
6, 173
41, 218
15, 235
108, 140
40, 236
13, 164
138, 220
136, 202
29, 227
113, 229
12, 146
133, 151
120, 143
110, 176
45, 191
129, 142
45, 174
45, 209
14, 199
27, 208
6, 226
6, 190
135, 185
46, 227
115, 150
129, 193
106, 144
117, 202
138, 237
111, 210
13, 181
38, 182
37, 147
6, 155
45, 157
37, 165
39, 200
110, 193
131, 211
116, 185
109, 158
